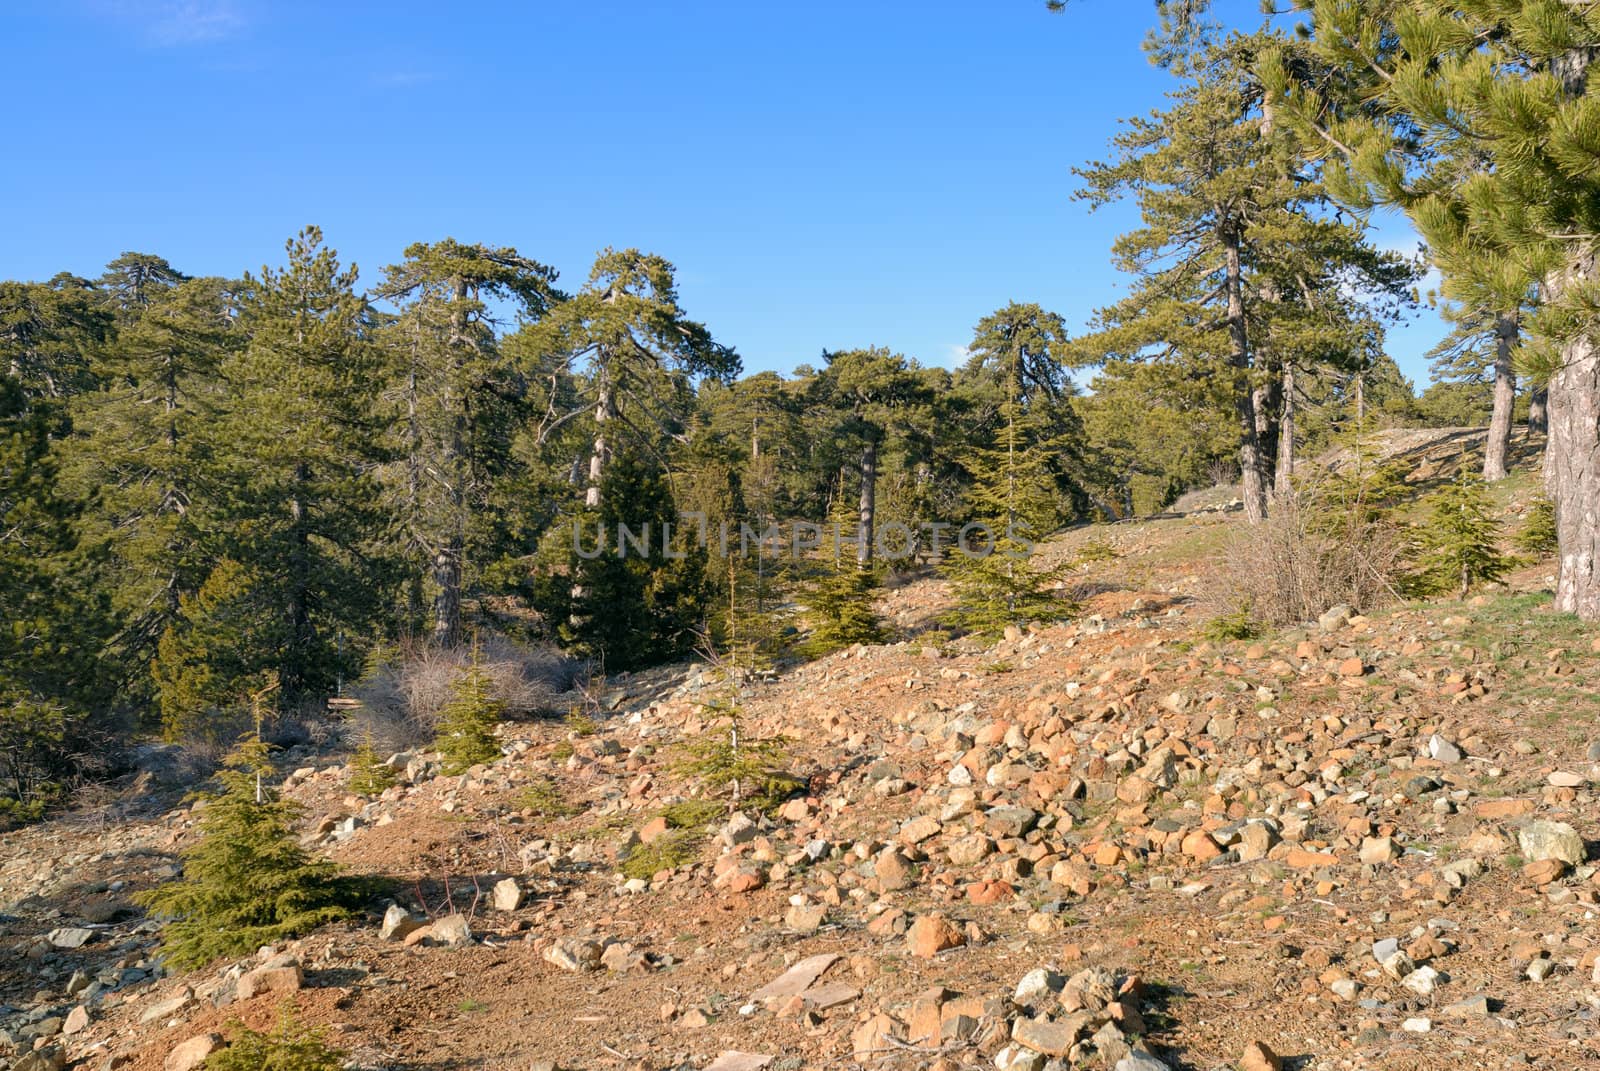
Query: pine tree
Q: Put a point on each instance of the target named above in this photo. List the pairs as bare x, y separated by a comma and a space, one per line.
247, 882
1238, 265
1458, 545
297, 451
1538, 534
1476, 119
461, 397
369, 774
465, 735
221, 643
839, 597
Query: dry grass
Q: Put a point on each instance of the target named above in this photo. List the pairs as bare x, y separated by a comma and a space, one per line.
1314, 551
402, 697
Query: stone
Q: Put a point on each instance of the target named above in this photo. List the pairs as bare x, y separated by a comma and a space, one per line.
1200, 846
1256, 839
805, 918
46, 1059
797, 979
452, 931
1421, 981
398, 924
1471, 1008
275, 980
733, 1060
931, 934
164, 1008
1565, 779
919, 829
1036, 983
1050, 1038
893, 870
188, 1055
1542, 840
506, 895
70, 937
1009, 821
1258, 1056
867, 1040
1335, 618
1540, 969
77, 1020
1138, 1060
1442, 750
1417, 1026
739, 830
1352, 667
574, 954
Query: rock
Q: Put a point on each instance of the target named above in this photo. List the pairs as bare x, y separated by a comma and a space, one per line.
1050, 1038
164, 1008
1009, 821
398, 924
188, 1055
739, 1061
1335, 618
867, 1040
70, 937
1471, 1008
1564, 779
77, 1020
1378, 850
1421, 981
919, 829
1442, 750
276, 980
1036, 983
931, 934
797, 979
893, 870
1258, 1056
739, 830
1200, 846
46, 1059
805, 918
1351, 667
506, 895
1540, 969
1417, 1026
1139, 1060
573, 954
452, 931
1551, 840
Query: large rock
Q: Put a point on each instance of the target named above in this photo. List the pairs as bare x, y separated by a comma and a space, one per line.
71, 937
279, 981
931, 934
1551, 840
188, 1055
398, 924
507, 895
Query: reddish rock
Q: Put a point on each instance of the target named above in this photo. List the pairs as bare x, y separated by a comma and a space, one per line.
931, 934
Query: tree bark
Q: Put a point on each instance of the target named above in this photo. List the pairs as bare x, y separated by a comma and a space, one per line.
1252, 475
1283, 479
1538, 411
1505, 396
1572, 466
867, 516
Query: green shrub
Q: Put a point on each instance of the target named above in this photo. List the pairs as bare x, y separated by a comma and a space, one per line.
369, 775
544, 799
747, 770
1237, 625
668, 851
1458, 546
289, 1047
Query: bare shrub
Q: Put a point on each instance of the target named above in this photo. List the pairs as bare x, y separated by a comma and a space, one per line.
403, 694
1316, 549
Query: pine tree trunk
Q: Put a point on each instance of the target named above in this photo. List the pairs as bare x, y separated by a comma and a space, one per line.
1252, 475
600, 455
1505, 396
866, 523
1283, 479
1572, 467
1267, 401
1538, 411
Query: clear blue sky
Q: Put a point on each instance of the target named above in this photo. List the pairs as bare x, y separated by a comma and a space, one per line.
825, 174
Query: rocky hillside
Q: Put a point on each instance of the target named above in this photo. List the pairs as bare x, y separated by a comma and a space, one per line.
1109, 843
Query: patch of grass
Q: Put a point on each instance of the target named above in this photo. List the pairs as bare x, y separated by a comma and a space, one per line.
1231, 626
470, 1006
692, 814
667, 852
562, 751
581, 724
544, 799
1001, 666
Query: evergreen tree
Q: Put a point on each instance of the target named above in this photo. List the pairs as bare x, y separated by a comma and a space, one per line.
1538, 534
49, 335
461, 398
466, 724
143, 444
247, 882
840, 595
369, 774
290, 1046
1475, 118
222, 642
298, 448
1458, 545
1234, 250
1480, 352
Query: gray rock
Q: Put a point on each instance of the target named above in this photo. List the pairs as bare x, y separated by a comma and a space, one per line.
451, 931
1140, 1061
1335, 617
1009, 821
1543, 840
507, 895
397, 924
1442, 750
70, 937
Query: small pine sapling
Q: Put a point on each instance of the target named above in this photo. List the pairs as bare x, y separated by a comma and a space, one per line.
1537, 538
369, 775
466, 724
290, 1046
248, 882
1458, 545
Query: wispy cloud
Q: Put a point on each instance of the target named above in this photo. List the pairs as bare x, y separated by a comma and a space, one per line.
955, 356
177, 23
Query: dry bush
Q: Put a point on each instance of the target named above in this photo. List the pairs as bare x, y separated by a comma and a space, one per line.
1315, 550
403, 695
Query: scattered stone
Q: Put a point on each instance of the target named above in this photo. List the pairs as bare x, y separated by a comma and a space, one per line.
574, 954
797, 979
188, 1055
1542, 840
1442, 750
1258, 1056
70, 937
931, 934
398, 924
275, 980
507, 895
739, 1061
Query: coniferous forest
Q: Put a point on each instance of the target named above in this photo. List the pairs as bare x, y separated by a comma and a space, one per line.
219, 489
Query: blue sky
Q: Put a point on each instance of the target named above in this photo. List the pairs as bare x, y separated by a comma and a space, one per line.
827, 174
